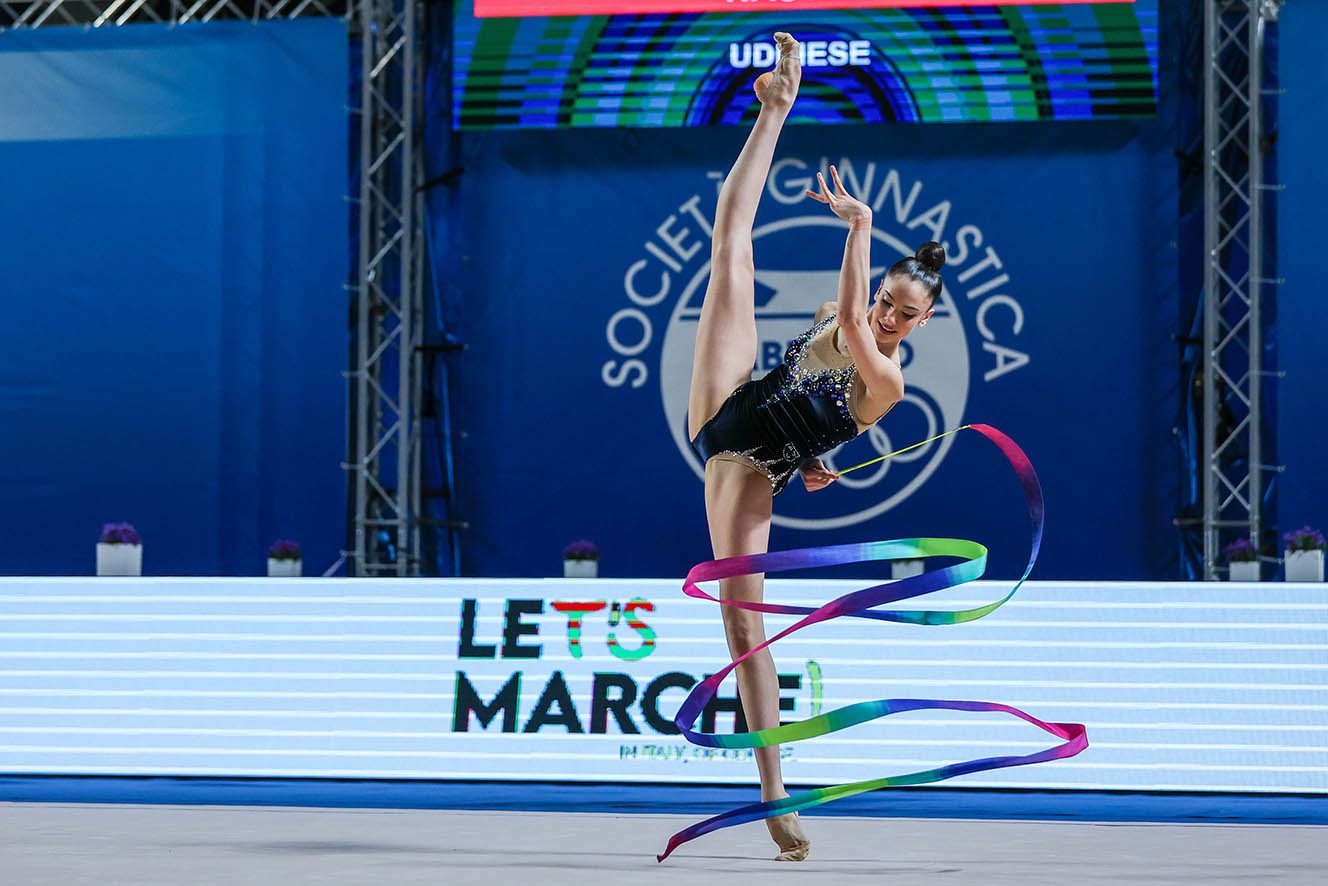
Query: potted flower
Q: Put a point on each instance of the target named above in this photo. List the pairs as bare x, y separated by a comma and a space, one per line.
581, 560
1304, 554
119, 550
284, 559
1243, 560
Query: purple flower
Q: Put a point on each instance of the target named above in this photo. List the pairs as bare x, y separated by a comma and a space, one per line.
1304, 539
284, 549
581, 550
1240, 551
119, 534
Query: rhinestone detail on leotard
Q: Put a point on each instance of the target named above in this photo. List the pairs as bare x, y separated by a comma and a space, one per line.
836, 384
765, 467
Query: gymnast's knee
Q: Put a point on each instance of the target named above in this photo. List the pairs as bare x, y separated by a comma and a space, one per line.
744, 634
732, 254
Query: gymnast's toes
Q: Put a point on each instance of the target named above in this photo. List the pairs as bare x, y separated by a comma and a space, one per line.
778, 88
796, 852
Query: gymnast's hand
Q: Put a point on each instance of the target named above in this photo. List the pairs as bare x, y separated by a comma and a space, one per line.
839, 200
816, 475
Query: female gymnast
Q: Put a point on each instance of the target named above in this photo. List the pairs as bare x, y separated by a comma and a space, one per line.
837, 380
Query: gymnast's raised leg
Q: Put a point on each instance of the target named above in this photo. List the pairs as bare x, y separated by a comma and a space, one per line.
739, 499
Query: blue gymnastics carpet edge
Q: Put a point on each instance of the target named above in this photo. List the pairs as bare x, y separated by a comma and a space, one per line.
620, 798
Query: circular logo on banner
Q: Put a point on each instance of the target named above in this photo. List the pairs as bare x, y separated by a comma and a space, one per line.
798, 259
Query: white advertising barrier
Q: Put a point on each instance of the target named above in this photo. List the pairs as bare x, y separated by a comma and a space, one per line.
1195, 687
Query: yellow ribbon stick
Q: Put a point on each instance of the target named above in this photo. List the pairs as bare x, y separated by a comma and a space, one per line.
902, 451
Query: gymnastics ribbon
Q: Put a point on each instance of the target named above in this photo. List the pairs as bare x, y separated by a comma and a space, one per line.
860, 604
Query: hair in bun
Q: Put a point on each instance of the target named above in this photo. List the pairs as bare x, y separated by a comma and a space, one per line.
931, 255
924, 267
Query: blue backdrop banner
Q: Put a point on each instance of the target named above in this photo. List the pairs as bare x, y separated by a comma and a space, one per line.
174, 324
1302, 421
582, 262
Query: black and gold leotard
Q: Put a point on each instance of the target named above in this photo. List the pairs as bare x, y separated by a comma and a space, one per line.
804, 407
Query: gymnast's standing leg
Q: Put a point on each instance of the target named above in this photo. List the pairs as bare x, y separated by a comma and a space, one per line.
739, 499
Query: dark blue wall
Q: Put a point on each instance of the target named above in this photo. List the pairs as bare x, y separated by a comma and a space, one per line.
174, 318
1302, 330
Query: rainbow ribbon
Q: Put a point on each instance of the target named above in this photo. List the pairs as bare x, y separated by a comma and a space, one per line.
860, 604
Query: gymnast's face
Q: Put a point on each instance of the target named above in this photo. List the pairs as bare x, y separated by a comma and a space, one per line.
901, 304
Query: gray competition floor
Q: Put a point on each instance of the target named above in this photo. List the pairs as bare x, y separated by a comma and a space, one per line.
200, 845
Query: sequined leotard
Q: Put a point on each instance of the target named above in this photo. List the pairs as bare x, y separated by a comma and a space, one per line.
804, 407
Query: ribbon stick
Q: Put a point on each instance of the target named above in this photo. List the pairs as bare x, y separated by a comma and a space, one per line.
861, 604
905, 449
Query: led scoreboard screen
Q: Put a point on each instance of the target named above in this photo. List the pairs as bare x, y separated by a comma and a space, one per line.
692, 62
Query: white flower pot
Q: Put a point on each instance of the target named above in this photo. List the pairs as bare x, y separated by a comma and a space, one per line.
1244, 570
119, 559
1304, 565
907, 568
284, 568
580, 569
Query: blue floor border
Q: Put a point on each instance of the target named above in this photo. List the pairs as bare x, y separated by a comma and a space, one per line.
696, 800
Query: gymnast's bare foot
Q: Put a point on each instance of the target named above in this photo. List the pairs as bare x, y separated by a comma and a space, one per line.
787, 833
778, 88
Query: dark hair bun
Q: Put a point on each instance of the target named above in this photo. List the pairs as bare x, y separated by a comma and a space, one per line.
931, 255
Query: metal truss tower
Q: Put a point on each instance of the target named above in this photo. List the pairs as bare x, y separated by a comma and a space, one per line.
103, 13
1235, 418
386, 376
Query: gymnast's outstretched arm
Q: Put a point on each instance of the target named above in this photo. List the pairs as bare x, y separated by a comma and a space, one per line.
879, 373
